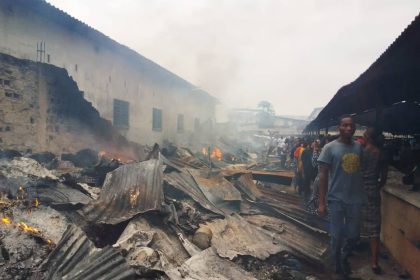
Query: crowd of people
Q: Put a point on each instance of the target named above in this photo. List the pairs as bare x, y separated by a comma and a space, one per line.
341, 177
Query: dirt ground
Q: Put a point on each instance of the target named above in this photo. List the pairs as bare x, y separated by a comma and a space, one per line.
360, 263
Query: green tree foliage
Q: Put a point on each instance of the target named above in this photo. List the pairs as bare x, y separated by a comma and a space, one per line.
266, 115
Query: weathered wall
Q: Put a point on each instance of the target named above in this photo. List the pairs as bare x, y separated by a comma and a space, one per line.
104, 70
41, 109
401, 227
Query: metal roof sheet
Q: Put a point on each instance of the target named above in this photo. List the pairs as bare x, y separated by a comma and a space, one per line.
129, 190
76, 258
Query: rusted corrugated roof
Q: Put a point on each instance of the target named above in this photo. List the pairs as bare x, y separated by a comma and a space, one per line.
218, 190
189, 162
129, 190
278, 177
290, 206
76, 258
234, 236
185, 183
307, 244
207, 265
246, 185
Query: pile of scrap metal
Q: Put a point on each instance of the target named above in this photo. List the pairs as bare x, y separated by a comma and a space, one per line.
174, 217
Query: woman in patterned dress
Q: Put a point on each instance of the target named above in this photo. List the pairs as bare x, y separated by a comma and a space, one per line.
374, 178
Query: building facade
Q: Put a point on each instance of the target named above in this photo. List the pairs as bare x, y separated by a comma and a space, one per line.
146, 102
248, 121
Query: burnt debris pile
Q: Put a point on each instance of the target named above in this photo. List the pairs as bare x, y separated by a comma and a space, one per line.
177, 214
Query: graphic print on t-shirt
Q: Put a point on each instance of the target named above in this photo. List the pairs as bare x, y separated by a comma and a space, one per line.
350, 162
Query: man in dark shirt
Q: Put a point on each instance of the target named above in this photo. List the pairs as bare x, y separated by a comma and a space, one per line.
340, 174
308, 170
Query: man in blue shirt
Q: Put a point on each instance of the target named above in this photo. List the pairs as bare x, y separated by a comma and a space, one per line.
340, 174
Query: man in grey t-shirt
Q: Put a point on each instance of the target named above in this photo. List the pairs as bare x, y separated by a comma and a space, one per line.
340, 174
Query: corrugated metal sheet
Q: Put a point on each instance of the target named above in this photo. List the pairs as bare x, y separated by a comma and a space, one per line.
309, 245
234, 236
218, 190
247, 186
207, 265
140, 233
278, 177
129, 190
76, 258
189, 162
186, 184
290, 205
57, 194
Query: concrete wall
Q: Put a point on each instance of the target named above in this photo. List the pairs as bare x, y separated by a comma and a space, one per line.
104, 70
401, 226
41, 109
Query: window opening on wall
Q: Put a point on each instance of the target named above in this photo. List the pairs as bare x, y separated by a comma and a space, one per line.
180, 123
75, 67
196, 124
48, 58
121, 113
157, 119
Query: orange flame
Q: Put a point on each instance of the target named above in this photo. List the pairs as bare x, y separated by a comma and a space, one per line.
27, 228
36, 202
6, 221
217, 153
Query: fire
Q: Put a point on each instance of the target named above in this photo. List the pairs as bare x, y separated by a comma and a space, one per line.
121, 157
6, 221
21, 193
27, 228
36, 202
134, 194
217, 153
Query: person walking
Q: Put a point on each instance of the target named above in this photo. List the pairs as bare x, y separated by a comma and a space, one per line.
375, 171
340, 174
307, 170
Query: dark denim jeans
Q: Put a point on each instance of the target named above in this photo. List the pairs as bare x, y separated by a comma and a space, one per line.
344, 230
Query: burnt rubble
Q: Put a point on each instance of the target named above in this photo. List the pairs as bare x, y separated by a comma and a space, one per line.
173, 217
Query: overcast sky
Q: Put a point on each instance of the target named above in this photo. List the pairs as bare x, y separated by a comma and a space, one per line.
295, 54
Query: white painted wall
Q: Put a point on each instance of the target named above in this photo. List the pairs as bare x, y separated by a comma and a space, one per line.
105, 70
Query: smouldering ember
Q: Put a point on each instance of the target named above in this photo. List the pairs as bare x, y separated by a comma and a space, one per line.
115, 156
21, 193
27, 228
